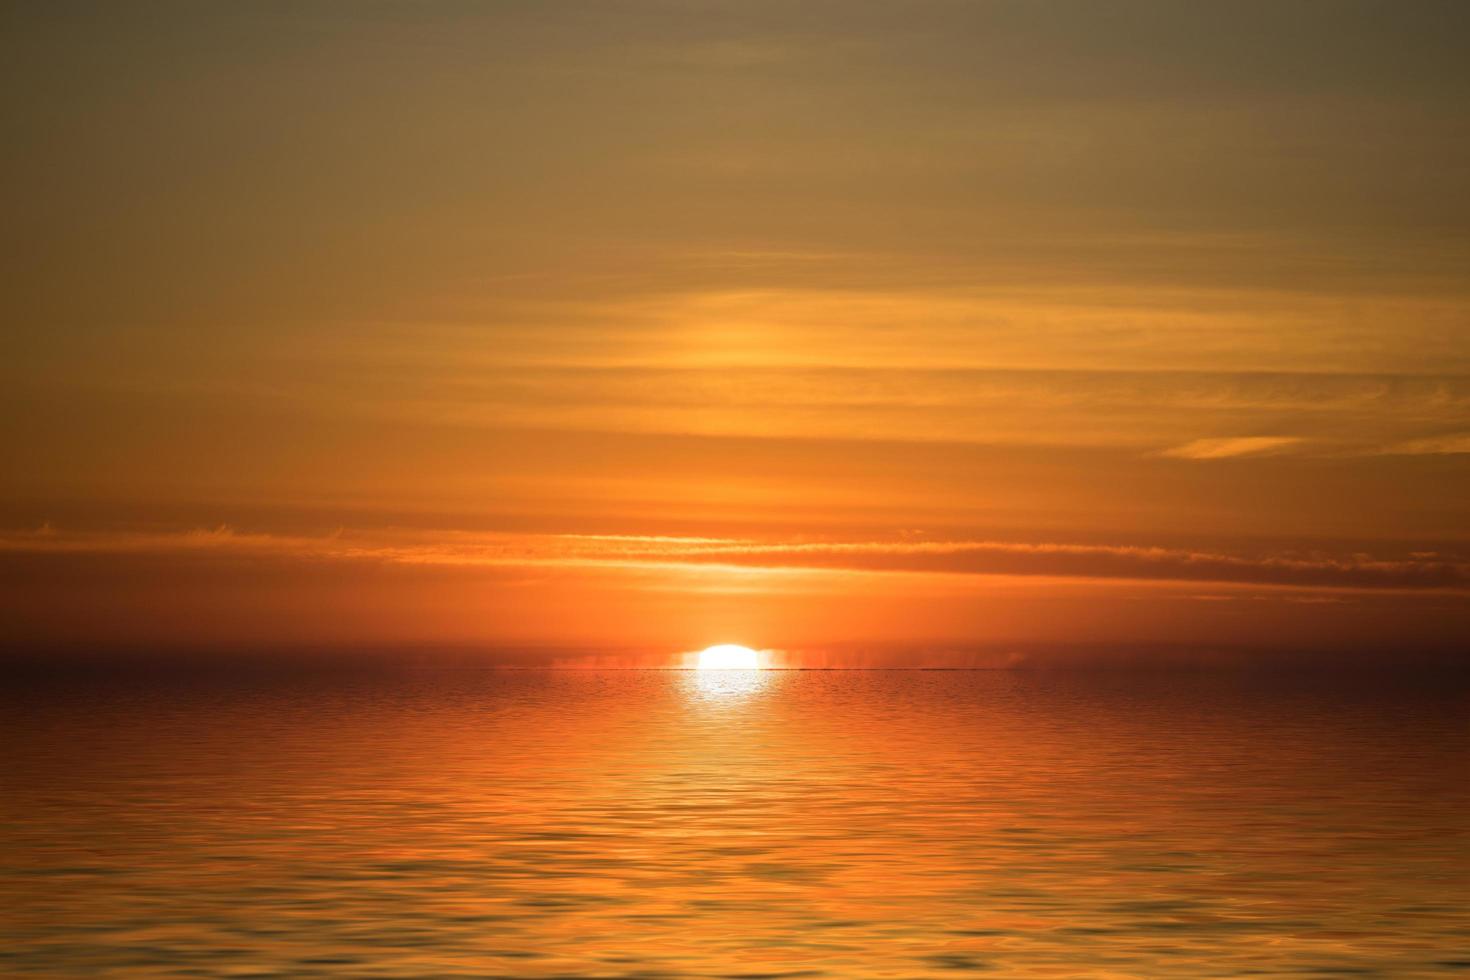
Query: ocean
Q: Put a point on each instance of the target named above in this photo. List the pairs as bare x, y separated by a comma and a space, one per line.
740, 824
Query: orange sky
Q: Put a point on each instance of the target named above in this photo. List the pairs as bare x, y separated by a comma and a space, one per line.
883, 332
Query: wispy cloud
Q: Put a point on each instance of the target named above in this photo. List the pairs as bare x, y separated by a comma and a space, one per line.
1324, 571
1348, 571
1446, 445
1233, 446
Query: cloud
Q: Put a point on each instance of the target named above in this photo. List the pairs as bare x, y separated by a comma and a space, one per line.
1111, 562
1446, 445
1233, 446
1053, 560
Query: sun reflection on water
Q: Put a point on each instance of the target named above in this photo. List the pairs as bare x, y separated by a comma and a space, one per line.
724, 686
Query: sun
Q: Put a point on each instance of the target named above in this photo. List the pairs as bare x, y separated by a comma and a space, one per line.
728, 656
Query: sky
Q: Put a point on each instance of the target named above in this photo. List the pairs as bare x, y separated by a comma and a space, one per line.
870, 332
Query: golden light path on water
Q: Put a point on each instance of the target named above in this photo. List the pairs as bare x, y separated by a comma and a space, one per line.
730, 686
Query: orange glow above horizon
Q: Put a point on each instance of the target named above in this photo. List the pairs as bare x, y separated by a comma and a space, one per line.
558, 325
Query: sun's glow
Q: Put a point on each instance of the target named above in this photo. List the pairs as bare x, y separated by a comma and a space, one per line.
728, 656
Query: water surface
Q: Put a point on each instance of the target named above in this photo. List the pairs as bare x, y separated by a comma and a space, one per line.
772, 824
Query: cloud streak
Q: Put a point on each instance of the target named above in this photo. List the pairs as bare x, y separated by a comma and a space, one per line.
1425, 571
1231, 447
1448, 445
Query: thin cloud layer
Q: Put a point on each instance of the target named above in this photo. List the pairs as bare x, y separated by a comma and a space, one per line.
1449, 445
467, 550
1232, 446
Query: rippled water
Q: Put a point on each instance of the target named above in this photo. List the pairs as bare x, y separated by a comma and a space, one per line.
651, 824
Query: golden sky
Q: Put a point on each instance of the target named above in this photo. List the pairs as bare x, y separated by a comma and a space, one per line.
865, 327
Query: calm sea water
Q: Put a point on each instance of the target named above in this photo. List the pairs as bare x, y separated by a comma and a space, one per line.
773, 824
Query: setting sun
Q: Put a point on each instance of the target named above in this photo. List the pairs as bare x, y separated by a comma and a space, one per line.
728, 656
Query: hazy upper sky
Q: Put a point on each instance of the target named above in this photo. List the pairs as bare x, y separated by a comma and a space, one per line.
654, 325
